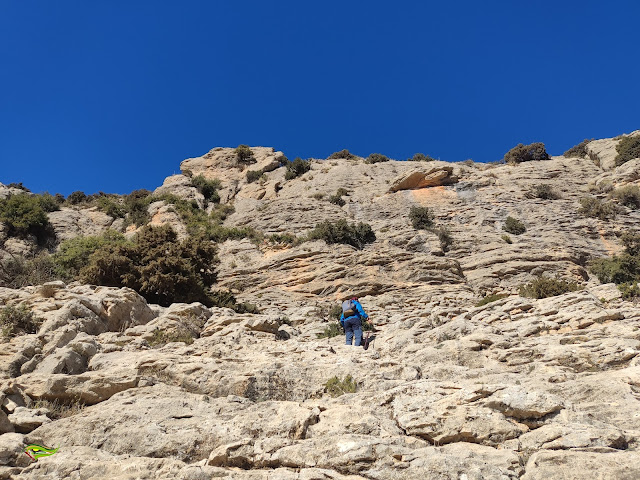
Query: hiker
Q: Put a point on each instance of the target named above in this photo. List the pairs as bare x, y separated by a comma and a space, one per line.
351, 320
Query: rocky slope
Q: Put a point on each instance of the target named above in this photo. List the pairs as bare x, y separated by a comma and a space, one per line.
516, 388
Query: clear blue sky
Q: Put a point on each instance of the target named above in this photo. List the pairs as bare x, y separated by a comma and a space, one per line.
112, 95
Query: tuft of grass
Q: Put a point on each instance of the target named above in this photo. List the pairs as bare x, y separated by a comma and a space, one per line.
543, 191
336, 387
58, 410
162, 337
506, 238
491, 298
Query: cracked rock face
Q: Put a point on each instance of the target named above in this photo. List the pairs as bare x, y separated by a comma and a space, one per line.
518, 388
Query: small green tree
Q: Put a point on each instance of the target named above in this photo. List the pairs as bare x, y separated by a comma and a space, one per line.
296, 168
525, 153
628, 149
76, 198
24, 215
421, 217
244, 154
73, 254
253, 175
514, 226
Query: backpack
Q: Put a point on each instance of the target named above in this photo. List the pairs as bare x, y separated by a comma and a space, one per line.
349, 308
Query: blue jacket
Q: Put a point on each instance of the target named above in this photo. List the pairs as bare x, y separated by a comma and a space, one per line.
360, 310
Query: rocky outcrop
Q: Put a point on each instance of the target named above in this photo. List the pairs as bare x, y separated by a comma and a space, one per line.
515, 388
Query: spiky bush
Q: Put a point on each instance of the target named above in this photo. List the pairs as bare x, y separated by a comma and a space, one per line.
514, 226
342, 232
491, 298
332, 330
73, 254
337, 200
526, 153
421, 217
628, 149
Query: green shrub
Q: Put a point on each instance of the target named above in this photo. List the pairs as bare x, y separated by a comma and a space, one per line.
332, 330
48, 202
543, 287
73, 254
631, 242
246, 307
282, 160
337, 200
296, 168
244, 154
578, 151
629, 290
283, 238
342, 232
334, 312
376, 158
18, 272
157, 266
506, 238
318, 195
253, 175
111, 206
444, 236
19, 320
76, 198
543, 191
208, 188
137, 205
342, 192
514, 226
628, 149
491, 298
341, 154
19, 186
629, 196
24, 215
421, 217
525, 153
421, 157
596, 208
617, 269
336, 387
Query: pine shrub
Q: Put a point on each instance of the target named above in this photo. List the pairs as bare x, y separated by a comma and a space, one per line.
296, 168
579, 150
514, 226
342, 232
421, 217
341, 154
628, 149
376, 158
543, 287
